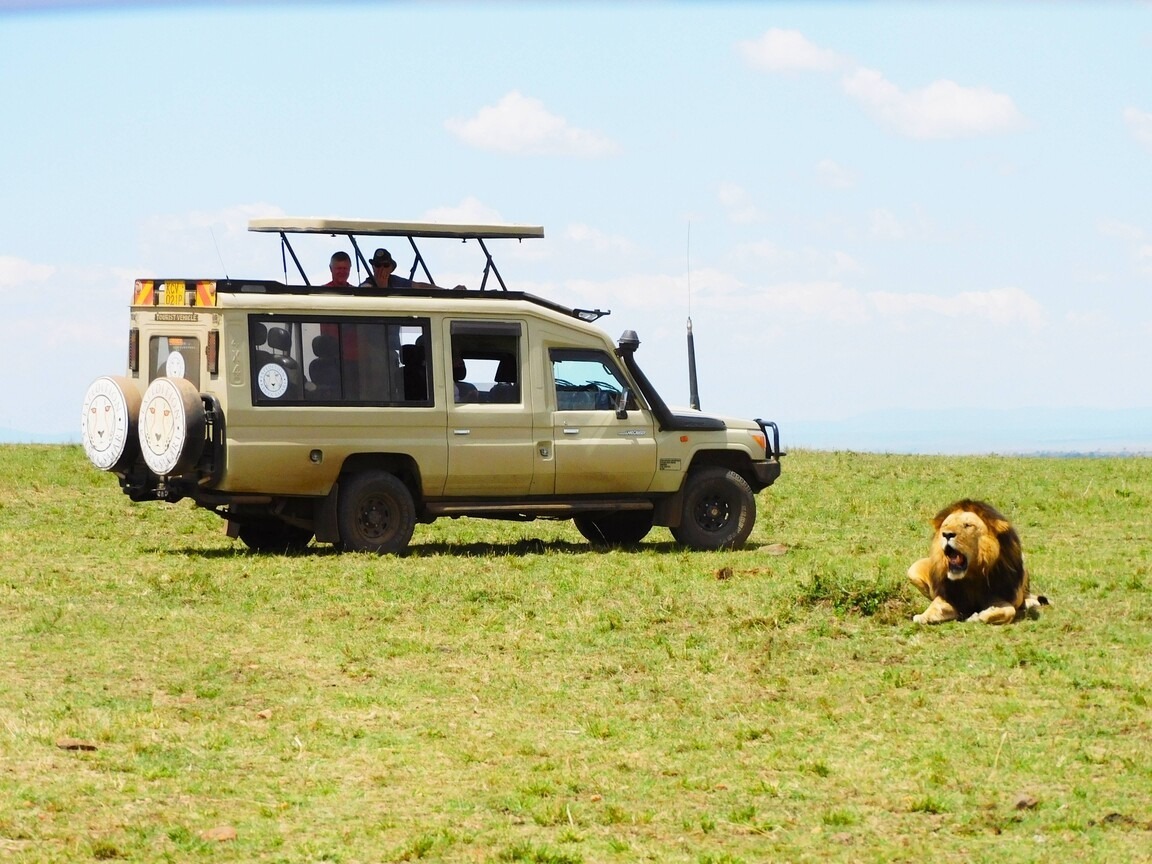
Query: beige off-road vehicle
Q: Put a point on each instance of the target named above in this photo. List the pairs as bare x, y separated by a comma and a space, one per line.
350, 414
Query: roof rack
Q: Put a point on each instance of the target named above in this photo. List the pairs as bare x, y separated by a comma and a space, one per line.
285, 225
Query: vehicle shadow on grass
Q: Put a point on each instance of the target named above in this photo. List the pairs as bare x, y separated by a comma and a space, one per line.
517, 549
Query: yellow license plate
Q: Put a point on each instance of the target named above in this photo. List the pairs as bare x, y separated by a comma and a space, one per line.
174, 294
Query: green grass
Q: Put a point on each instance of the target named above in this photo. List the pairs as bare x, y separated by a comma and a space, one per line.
505, 694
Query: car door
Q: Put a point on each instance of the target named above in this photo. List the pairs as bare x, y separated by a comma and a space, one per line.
492, 448
596, 451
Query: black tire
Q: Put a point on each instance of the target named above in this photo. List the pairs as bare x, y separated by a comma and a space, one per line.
108, 425
274, 536
719, 510
171, 426
375, 513
619, 528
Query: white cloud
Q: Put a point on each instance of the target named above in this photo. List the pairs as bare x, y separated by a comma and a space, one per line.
1140, 124
943, 109
885, 225
1121, 230
1144, 258
208, 243
521, 125
14, 272
821, 300
470, 211
834, 175
764, 250
788, 51
999, 306
738, 203
233, 219
833, 301
843, 263
1135, 237
600, 243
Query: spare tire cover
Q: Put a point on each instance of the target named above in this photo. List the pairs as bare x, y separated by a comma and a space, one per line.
171, 426
108, 422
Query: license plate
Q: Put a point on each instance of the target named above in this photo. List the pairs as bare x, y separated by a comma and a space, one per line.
174, 294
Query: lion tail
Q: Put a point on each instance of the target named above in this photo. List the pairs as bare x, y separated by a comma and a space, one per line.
1032, 604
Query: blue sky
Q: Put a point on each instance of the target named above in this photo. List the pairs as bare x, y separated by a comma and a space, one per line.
868, 209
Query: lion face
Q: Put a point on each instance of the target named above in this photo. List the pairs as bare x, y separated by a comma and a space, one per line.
964, 539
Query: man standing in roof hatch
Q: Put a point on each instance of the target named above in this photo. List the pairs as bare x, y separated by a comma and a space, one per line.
340, 266
383, 276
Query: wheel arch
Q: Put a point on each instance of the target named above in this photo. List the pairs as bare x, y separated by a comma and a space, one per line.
400, 464
734, 460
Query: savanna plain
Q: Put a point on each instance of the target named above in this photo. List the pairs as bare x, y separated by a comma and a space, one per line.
504, 693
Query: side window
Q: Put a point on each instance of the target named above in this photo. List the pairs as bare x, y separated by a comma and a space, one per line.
276, 374
346, 361
587, 380
175, 357
486, 363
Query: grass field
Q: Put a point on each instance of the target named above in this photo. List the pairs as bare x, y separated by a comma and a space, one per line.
505, 694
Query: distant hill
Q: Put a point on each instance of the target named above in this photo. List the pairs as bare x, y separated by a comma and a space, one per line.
16, 436
1073, 431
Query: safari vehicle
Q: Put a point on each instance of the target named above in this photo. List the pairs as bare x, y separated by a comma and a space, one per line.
295, 411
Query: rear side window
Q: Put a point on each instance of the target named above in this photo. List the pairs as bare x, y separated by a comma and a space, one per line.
349, 361
486, 362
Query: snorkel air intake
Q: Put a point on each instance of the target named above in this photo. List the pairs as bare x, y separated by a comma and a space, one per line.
668, 420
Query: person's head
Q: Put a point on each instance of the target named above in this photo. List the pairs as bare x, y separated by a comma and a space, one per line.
340, 266
382, 265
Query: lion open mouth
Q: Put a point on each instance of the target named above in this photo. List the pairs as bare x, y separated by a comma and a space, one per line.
957, 560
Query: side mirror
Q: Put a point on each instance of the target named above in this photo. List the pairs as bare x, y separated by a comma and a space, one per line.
622, 404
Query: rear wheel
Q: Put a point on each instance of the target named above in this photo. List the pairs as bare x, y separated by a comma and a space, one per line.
375, 513
719, 510
620, 528
272, 535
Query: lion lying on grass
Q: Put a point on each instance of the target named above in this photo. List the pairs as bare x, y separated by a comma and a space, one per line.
975, 569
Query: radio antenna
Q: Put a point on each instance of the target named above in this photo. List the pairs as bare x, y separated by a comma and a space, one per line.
218, 255
693, 388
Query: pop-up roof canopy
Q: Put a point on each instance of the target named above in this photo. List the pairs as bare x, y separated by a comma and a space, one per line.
350, 228
296, 225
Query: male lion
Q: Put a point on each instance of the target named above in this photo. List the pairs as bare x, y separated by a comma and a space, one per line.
975, 570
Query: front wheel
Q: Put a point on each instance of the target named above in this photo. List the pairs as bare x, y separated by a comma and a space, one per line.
719, 510
621, 528
375, 513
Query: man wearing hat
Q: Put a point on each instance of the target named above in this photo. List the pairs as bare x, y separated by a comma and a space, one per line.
383, 277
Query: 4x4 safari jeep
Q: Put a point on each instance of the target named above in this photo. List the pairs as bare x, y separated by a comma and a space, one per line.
351, 414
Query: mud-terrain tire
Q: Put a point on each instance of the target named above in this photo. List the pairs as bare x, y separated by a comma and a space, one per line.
375, 513
618, 528
719, 510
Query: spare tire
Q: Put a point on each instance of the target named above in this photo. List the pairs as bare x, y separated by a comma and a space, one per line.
172, 423
108, 422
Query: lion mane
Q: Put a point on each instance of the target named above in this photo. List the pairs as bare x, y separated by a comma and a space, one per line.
975, 569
